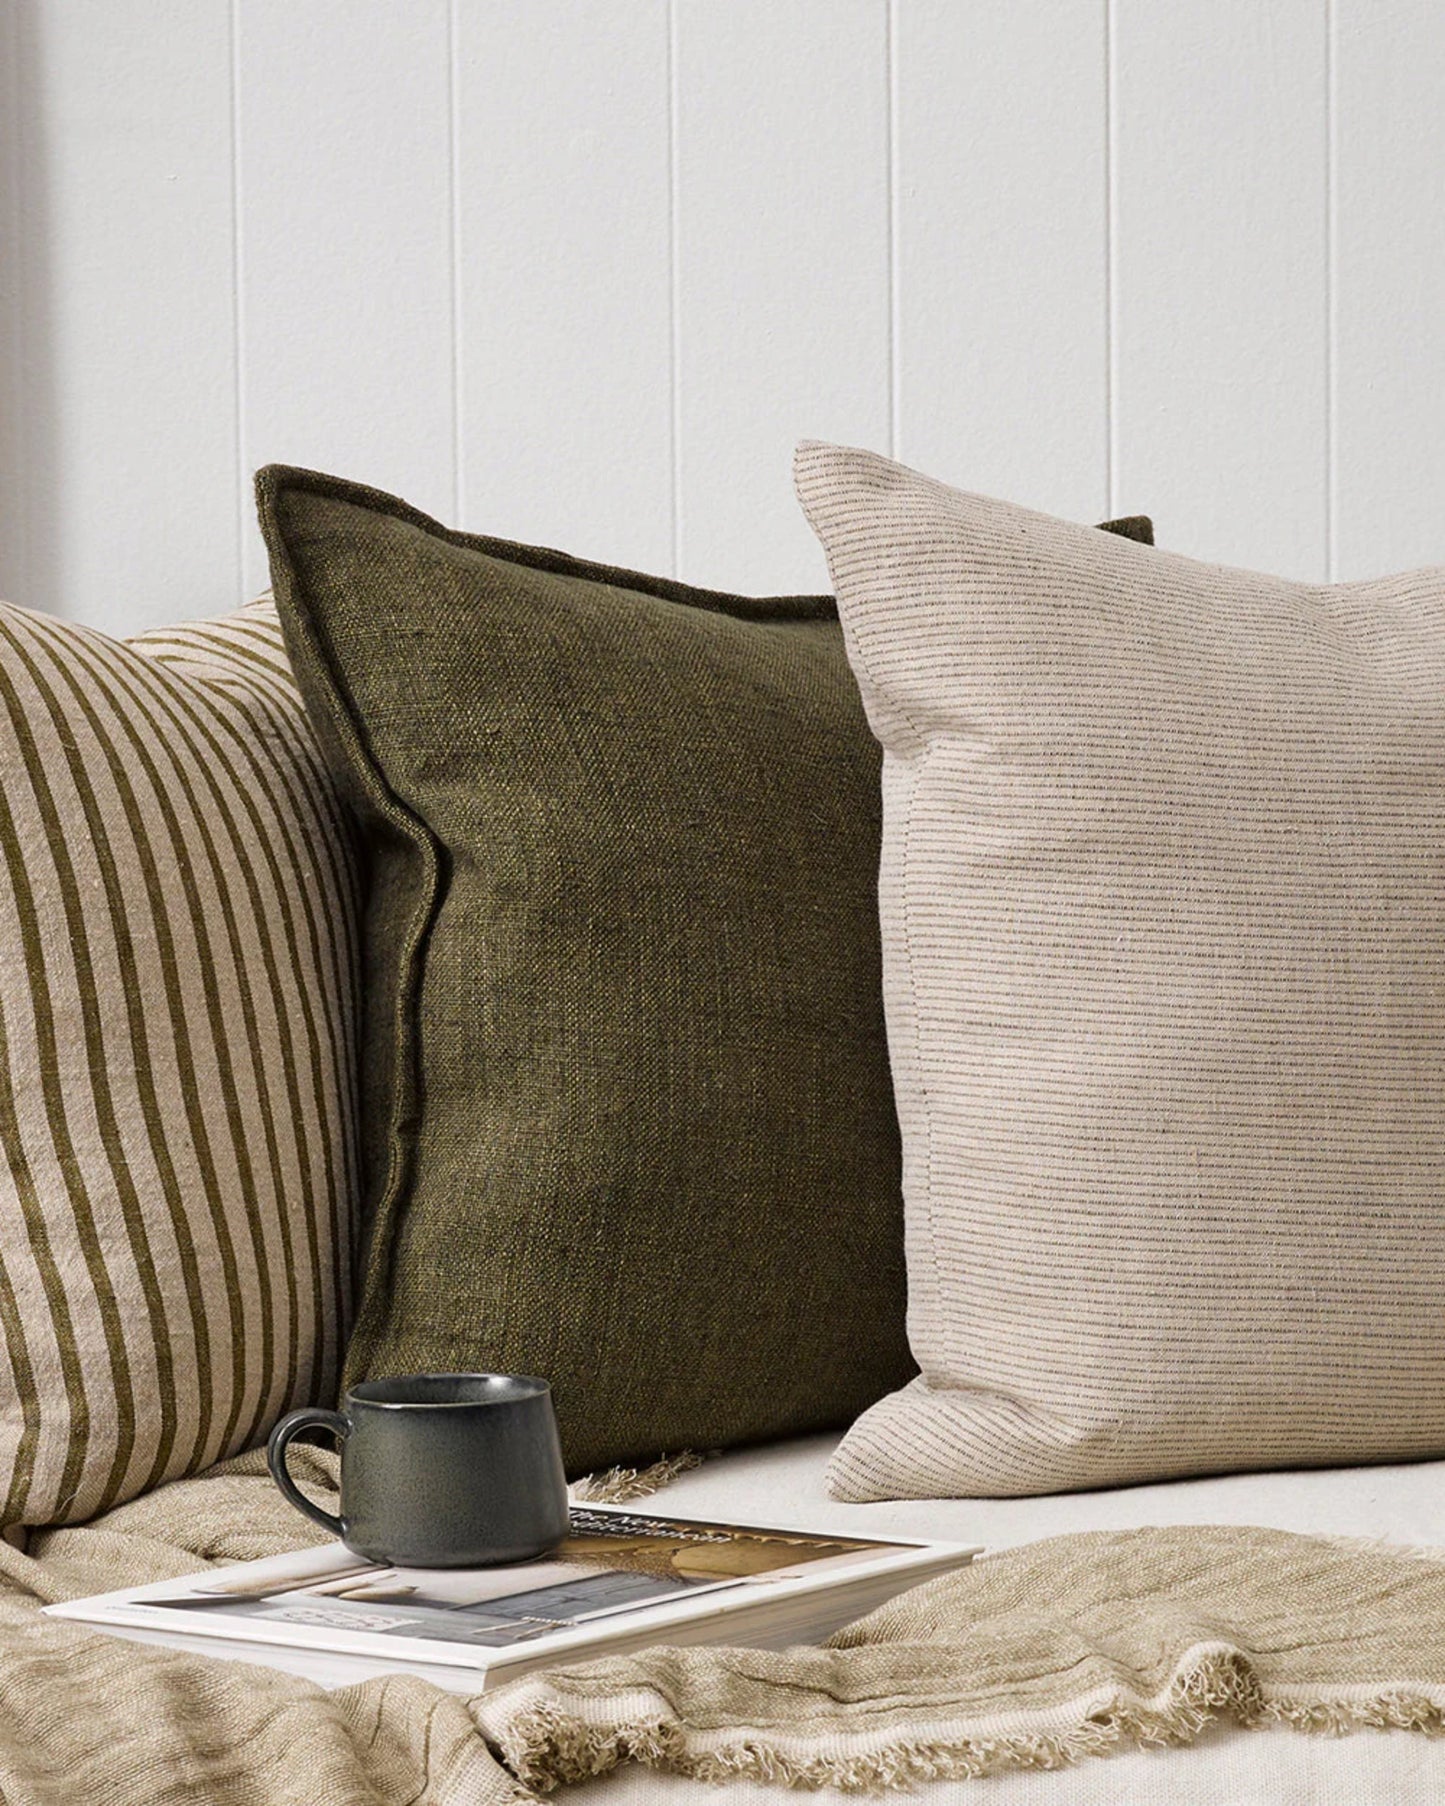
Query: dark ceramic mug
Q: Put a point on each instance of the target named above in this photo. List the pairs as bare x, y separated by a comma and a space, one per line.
439, 1470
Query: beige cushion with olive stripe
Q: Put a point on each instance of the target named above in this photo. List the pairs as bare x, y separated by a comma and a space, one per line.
178, 926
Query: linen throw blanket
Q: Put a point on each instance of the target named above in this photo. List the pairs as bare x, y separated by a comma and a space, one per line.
1039, 1655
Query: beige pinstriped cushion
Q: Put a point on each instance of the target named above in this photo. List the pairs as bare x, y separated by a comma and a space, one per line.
1163, 902
178, 926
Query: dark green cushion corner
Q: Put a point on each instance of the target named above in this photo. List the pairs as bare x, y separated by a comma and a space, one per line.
625, 1083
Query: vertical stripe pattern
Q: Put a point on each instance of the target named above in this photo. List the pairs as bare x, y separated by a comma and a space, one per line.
179, 920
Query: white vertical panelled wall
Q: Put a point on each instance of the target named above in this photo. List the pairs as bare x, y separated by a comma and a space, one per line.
581, 271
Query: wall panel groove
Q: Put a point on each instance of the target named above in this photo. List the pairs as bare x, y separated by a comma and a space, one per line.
14, 580
454, 257
1002, 227
674, 306
1111, 263
582, 271
566, 274
1332, 335
346, 233
127, 481
1220, 344
244, 524
895, 386
1389, 285
783, 269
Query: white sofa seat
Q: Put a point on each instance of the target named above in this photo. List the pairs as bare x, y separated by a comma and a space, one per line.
783, 1484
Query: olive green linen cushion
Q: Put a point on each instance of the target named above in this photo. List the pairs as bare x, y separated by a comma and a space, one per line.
626, 1091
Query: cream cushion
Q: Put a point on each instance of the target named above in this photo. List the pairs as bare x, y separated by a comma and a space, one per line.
178, 956
1163, 906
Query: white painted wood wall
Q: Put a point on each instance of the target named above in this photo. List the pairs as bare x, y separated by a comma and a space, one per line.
581, 271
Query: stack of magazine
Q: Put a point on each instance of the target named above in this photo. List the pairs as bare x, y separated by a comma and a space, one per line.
621, 1579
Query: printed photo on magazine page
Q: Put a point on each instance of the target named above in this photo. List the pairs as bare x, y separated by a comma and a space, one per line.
610, 1563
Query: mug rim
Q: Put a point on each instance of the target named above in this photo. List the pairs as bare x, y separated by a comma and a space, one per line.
520, 1388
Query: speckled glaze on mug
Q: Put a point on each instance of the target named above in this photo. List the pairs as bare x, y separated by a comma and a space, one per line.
439, 1470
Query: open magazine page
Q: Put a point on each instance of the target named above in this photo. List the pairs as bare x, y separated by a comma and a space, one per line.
611, 1563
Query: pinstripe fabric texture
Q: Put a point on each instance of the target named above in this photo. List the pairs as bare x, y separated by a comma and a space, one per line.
1163, 908
178, 923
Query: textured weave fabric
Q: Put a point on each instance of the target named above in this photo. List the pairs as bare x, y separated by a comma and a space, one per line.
1034, 1658
630, 1120
1163, 903
624, 1020
87, 1719
1254, 1766
1080, 1646
178, 931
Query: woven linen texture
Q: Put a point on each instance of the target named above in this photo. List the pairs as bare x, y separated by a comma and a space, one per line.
627, 1115
1081, 1646
1163, 911
178, 955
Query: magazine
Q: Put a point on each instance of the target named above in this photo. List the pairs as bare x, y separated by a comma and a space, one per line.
620, 1579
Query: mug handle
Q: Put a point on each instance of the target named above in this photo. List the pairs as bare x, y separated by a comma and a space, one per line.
313, 1417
